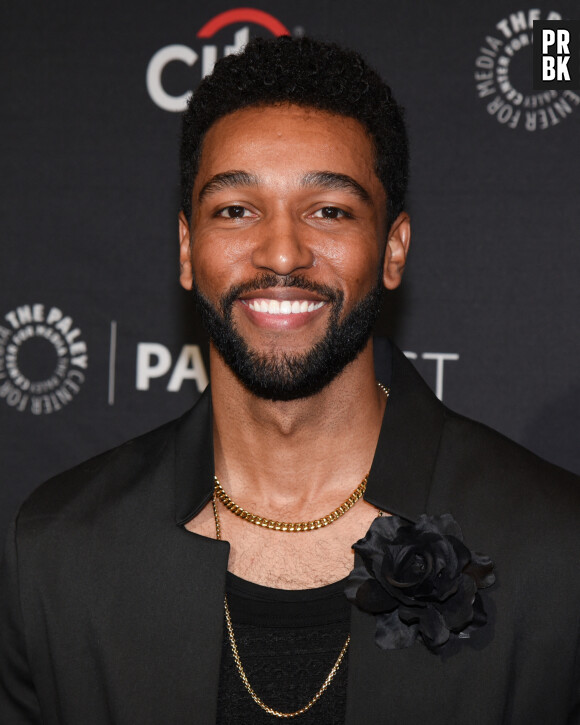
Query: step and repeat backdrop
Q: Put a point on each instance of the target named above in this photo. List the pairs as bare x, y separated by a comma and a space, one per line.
98, 342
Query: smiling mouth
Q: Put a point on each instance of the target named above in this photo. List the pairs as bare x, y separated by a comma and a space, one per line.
283, 307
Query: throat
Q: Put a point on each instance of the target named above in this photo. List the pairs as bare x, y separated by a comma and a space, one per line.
295, 560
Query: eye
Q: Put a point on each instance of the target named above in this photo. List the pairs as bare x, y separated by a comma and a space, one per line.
234, 212
330, 212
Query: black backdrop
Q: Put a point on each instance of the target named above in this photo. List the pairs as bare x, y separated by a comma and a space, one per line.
99, 343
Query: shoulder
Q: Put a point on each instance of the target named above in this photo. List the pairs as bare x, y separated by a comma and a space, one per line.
470, 467
503, 483
157, 477
476, 443
81, 491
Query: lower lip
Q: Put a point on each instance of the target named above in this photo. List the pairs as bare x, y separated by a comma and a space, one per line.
291, 321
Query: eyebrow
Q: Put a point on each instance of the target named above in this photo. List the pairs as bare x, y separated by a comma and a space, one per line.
328, 180
227, 180
331, 181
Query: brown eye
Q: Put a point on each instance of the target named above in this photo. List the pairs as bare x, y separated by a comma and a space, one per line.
233, 212
330, 212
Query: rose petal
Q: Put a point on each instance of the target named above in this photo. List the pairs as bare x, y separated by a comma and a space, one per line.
383, 566
479, 613
406, 571
391, 633
411, 536
480, 568
443, 525
371, 597
410, 614
355, 579
461, 552
373, 547
432, 628
431, 624
479, 617
438, 589
427, 524
457, 611
402, 597
383, 529
449, 526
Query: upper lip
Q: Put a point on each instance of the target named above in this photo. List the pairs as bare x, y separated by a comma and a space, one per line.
283, 293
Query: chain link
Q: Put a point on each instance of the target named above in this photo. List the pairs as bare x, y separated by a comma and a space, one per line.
232, 506
217, 491
299, 526
240, 668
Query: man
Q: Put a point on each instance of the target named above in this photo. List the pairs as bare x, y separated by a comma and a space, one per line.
294, 167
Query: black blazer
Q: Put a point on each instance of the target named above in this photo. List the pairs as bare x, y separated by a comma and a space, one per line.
111, 613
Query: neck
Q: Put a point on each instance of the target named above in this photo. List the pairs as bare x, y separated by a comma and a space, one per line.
288, 455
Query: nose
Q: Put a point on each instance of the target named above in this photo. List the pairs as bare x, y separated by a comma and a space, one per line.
282, 247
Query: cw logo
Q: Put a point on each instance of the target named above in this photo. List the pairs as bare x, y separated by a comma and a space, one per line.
209, 52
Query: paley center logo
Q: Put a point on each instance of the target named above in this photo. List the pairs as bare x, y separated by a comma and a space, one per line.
42, 359
206, 52
504, 76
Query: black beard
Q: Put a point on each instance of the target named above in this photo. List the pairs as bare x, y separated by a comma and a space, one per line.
288, 377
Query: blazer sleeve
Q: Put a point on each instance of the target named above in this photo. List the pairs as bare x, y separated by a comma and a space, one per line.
574, 714
18, 701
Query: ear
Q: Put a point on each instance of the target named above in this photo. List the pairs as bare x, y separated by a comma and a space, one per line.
186, 273
397, 250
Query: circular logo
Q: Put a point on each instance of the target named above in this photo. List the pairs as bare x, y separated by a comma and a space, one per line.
42, 359
168, 71
504, 77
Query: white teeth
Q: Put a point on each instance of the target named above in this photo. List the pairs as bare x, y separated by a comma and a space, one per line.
274, 307
314, 306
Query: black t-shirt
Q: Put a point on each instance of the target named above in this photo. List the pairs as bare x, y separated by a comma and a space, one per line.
288, 642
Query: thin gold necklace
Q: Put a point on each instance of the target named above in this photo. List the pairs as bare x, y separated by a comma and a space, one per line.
240, 668
283, 527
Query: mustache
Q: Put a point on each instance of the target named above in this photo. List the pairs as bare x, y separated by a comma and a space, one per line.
270, 281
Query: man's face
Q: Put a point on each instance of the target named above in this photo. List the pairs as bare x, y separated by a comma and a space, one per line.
286, 245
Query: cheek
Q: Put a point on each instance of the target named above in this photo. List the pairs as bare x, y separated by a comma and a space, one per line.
217, 263
353, 255
357, 269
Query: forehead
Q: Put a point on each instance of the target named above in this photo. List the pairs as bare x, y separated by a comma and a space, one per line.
282, 143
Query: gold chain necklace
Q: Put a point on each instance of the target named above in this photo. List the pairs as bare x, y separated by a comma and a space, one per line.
239, 666
220, 494
299, 526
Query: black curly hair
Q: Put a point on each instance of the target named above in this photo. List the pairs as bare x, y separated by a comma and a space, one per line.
307, 73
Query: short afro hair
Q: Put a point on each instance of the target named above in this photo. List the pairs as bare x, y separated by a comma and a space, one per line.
307, 73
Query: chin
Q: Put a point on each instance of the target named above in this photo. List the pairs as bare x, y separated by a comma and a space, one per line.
293, 375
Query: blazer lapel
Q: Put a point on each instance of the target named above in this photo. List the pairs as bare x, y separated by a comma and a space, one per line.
194, 464
202, 562
400, 477
399, 483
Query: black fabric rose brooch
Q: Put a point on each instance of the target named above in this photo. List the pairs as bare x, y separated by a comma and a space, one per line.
420, 581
